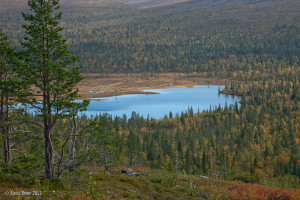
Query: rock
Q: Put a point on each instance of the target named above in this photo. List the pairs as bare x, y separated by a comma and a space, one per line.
135, 174
127, 171
203, 177
130, 172
110, 192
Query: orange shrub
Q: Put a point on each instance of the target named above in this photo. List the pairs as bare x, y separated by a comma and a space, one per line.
258, 192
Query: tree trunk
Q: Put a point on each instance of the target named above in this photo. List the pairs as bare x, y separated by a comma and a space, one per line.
106, 165
47, 109
4, 127
176, 165
49, 157
132, 159
6, 151
72, 150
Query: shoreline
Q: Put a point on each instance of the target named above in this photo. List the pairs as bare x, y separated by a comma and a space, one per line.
152, 93
101, 86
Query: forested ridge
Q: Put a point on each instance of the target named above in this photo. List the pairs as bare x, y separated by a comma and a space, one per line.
254, 141
195, 36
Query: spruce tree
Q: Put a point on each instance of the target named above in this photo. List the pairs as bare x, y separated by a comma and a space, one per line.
48, 72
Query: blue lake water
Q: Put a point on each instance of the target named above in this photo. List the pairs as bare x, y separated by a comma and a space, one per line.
157, 106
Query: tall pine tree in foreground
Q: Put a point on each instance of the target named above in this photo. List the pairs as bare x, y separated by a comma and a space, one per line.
48, 70
8, 87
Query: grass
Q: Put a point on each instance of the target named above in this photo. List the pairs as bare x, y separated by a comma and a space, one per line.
151, 185
96, 86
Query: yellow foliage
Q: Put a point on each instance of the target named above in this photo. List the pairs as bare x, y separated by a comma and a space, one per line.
266, 116
236, 116
143, 129
270, 137
195, 73
278, 94
120, 132
180, 127
168, 159
260, 172
226, 147
284, 83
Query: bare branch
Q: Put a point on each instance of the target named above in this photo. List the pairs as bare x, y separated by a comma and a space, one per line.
19, 151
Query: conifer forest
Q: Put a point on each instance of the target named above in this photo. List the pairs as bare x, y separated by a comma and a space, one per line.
246, 150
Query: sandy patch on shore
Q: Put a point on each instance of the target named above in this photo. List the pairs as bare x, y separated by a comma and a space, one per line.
98, 86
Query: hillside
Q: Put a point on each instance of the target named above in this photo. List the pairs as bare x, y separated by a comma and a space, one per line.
186, 37
246, 150
13, 4
152, 3
87, 184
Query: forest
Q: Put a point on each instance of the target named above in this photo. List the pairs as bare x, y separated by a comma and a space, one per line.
255, 141
198, 36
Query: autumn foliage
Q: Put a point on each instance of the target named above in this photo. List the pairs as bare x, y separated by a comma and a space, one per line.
259, 192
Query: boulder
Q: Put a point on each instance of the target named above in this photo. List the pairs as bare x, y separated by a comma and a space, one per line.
127, 171
130, 172
134, 174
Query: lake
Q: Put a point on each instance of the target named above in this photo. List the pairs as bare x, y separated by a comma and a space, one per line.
157, 106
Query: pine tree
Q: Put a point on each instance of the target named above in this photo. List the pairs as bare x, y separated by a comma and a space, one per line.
48, 68
8, 87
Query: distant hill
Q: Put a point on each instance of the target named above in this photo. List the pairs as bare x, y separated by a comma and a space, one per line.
19, 4
152, 3
9, 4
164, 35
